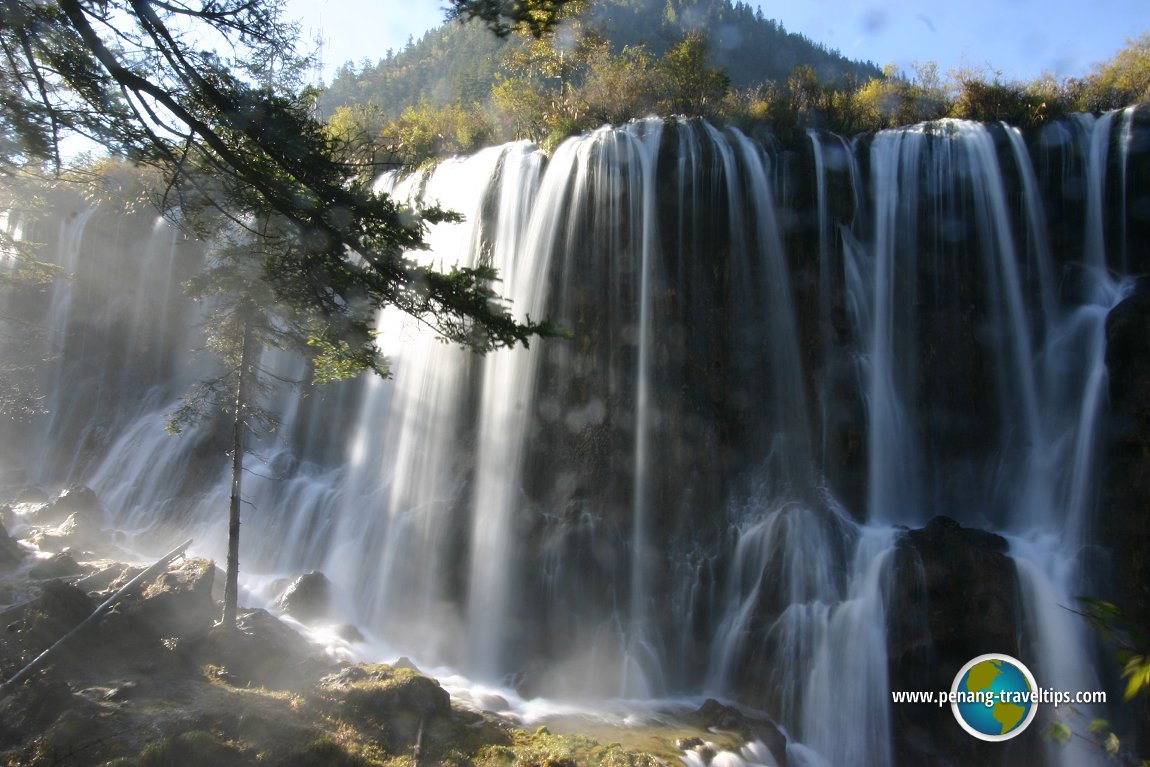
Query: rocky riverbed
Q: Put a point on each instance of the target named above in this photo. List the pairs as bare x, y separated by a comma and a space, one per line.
155, 682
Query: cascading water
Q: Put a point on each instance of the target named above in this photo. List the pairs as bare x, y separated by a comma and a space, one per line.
508, 388
701, 490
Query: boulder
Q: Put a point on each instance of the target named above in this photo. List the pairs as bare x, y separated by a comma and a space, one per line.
713, 715
76, 498
77, 531
391, 688
179, 602
107, 577
308, 598
953, 596
262, 650
10, 552
400, 702
35, 625
350, 633
61, 565
123, 640
407, 663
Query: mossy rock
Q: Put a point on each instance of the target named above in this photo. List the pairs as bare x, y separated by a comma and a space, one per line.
382, 688
263, 650
542, 748
399, 703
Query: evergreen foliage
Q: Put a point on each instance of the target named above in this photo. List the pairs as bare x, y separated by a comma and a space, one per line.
458, 63
143, 78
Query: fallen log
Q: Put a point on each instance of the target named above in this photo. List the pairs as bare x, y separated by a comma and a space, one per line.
108, 604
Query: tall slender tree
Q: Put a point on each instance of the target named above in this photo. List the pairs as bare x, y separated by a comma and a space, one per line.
242, 321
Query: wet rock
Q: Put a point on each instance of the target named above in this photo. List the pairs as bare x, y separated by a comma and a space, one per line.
114, 692
76, 531
488, 701
953, 596
262, 650
77, 498
275, 635
308, 598
1124, 524
350, 633
60, 565
35, 625
10, 552
103, 581
179, 602
22, 515
406, 662
122, 691
59, 607
713, 714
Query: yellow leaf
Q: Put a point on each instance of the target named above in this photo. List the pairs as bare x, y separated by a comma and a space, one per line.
1138, 670
1060, 733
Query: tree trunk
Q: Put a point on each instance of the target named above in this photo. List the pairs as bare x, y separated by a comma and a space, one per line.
231, 577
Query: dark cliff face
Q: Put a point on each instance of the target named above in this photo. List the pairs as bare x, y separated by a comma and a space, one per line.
953, 596
1124, 518
953, 590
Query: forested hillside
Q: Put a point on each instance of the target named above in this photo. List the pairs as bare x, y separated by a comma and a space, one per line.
459, 63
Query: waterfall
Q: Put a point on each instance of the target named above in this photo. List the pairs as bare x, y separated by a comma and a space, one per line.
508, 389
894, 470
781, 363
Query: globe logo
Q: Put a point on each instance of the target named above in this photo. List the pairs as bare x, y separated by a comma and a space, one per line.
994, 697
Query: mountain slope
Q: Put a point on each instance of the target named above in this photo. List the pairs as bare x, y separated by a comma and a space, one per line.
458, 63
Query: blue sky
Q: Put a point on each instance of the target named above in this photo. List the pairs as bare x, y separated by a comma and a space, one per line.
1020, 38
